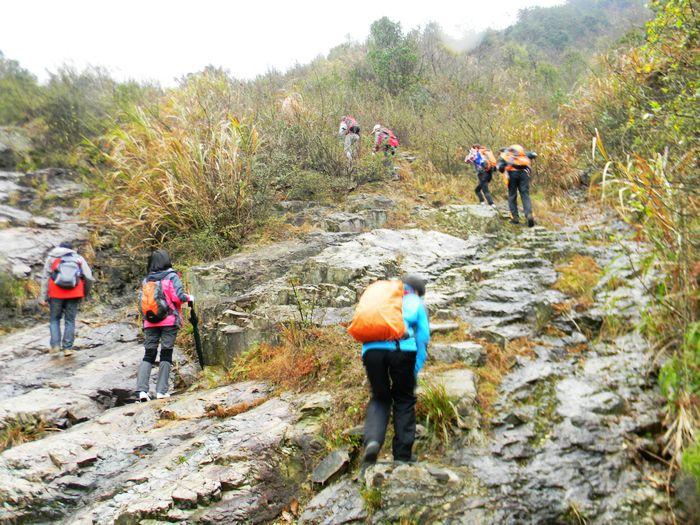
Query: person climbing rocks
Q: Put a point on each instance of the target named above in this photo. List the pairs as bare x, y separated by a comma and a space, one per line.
516, 163
386, 141
484, 164
65, 280
160, 304
349, 132
392, 358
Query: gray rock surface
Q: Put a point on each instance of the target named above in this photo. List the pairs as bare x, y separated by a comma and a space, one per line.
331, 466
331, 270
467, 352
572, 414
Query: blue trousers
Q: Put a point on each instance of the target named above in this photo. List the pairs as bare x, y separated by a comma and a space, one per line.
68, 310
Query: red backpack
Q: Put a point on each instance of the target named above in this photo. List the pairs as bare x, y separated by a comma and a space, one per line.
388, 135
350, 121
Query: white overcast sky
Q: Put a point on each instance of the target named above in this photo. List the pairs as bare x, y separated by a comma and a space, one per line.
165, 39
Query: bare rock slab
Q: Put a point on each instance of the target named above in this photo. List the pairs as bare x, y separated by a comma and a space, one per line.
339, 503
468, 352
331, 466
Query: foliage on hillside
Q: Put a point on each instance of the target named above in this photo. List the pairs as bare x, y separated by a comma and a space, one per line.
641, 109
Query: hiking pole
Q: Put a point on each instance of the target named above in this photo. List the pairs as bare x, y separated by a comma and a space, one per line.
194, 321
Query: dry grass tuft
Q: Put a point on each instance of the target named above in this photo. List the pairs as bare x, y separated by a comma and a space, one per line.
23, 429
310, 358
498, 362
223, 412
577, 278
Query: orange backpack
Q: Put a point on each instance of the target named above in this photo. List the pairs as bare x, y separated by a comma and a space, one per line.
515, 158
379, 314
153, 305
489, 156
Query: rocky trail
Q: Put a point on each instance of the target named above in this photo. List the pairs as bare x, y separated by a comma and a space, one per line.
571, 439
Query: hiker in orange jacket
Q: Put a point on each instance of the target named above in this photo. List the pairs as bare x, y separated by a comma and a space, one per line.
65, 280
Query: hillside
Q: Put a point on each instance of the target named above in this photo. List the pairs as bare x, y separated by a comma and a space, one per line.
563, 378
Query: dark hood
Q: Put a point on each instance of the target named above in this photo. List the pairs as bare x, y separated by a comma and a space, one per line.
159, 261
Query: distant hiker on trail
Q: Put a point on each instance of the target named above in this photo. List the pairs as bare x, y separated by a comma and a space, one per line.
385, 140
160, 305
349, 132
65, 280
515, 162
484, 164
392, 323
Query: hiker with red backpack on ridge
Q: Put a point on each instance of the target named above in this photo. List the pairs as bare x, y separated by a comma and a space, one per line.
65, 281
516, 163
349, 132
484, 164
392, 323
385, 140
160, 304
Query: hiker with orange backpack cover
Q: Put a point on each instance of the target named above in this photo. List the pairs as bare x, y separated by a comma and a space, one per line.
160, 304
484, 164
516, 163
65, 281
392, 323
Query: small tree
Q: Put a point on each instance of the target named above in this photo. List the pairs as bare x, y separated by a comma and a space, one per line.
392, 56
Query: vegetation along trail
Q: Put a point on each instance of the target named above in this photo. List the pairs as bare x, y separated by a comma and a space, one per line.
562, 378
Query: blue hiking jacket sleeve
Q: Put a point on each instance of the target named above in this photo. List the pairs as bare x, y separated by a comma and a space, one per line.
417, 336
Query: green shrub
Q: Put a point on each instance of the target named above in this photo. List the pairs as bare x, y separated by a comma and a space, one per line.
691, 462
15, 293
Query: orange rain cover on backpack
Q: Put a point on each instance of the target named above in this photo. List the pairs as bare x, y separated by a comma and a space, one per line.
515, 158
379, 314
490, 158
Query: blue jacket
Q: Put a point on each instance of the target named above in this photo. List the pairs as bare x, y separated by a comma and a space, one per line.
417, 336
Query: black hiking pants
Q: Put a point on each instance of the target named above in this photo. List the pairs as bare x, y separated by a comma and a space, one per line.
163, 335
482, 189
392, 380
519, 182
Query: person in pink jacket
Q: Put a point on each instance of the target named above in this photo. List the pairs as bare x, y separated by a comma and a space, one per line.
167, 282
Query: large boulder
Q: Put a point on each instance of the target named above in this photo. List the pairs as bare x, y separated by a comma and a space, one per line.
14, 147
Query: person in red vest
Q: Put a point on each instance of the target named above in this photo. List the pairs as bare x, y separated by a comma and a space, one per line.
66, 279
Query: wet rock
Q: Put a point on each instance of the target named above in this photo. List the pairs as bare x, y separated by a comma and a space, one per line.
337, 504
580, 400
184, 497
196, 456
316, 403
490, 336
344, 222
425, 493
363, 201
468, 352
444, 327
459, 383
331, 466
14, 146
443, 474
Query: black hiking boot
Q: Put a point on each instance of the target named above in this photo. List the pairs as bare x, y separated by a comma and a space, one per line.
514, 221
371, 452
369, 458
530, 222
